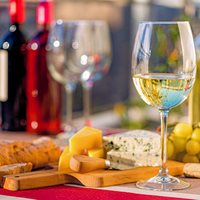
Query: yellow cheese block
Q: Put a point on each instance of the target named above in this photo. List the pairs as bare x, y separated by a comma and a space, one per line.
85, 139
64, 160
96, 153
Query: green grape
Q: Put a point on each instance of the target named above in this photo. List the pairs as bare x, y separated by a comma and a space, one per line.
187, 158
179, 144
196, 134
192, 147
170, 149
183, 130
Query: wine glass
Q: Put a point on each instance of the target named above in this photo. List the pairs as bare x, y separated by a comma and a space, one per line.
59, 45
98, 60
77, 51
163, 71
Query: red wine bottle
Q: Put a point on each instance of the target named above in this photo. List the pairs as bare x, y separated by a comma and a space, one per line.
13, 47
43, 92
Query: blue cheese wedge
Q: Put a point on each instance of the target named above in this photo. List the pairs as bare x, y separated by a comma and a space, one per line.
133, 148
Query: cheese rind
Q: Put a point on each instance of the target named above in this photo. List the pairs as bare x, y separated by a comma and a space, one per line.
85, 139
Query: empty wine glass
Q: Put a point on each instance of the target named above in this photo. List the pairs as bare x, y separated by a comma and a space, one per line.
97, 57
77, 51
164, 67
59, 45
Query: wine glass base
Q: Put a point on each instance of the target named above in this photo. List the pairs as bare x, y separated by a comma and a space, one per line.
163, 183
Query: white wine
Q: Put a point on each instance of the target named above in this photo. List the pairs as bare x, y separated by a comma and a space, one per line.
163, 91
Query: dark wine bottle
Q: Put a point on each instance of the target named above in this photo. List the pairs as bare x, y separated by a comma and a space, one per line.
13, 47
43, 93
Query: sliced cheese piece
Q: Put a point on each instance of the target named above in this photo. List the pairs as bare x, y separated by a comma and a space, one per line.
64, 160
136, 141
85, 139
96, 153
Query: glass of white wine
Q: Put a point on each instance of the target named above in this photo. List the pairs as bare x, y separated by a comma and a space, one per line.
163, 71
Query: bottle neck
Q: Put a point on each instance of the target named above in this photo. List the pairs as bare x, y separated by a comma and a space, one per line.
17, 11
44, 13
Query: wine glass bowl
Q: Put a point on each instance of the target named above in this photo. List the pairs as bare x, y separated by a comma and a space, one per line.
97, 56
79, 50
163, 70
60, 46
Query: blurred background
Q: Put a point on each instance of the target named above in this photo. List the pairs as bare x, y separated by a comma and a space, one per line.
114, 100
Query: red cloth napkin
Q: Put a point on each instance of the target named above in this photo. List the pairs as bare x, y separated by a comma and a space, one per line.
76, 193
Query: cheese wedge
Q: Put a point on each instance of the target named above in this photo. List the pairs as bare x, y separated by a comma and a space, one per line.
85, 139
64, 160
135, 141
133, 148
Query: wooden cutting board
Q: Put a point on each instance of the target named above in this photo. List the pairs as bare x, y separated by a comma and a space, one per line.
99, 178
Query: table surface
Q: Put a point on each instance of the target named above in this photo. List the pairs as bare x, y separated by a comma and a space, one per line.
121, 192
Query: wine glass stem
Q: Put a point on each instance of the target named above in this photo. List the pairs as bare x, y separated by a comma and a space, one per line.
69, 88
163, 168
69, 107
87, 104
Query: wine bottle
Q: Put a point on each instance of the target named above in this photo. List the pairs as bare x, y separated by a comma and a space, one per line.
13, 52
43, 93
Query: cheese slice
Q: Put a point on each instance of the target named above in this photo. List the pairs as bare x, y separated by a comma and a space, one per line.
85, 139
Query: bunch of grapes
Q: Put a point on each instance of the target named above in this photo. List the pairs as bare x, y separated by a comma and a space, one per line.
183, 143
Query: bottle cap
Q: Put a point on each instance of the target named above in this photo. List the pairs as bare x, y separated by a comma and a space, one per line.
44, 12
17, 11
